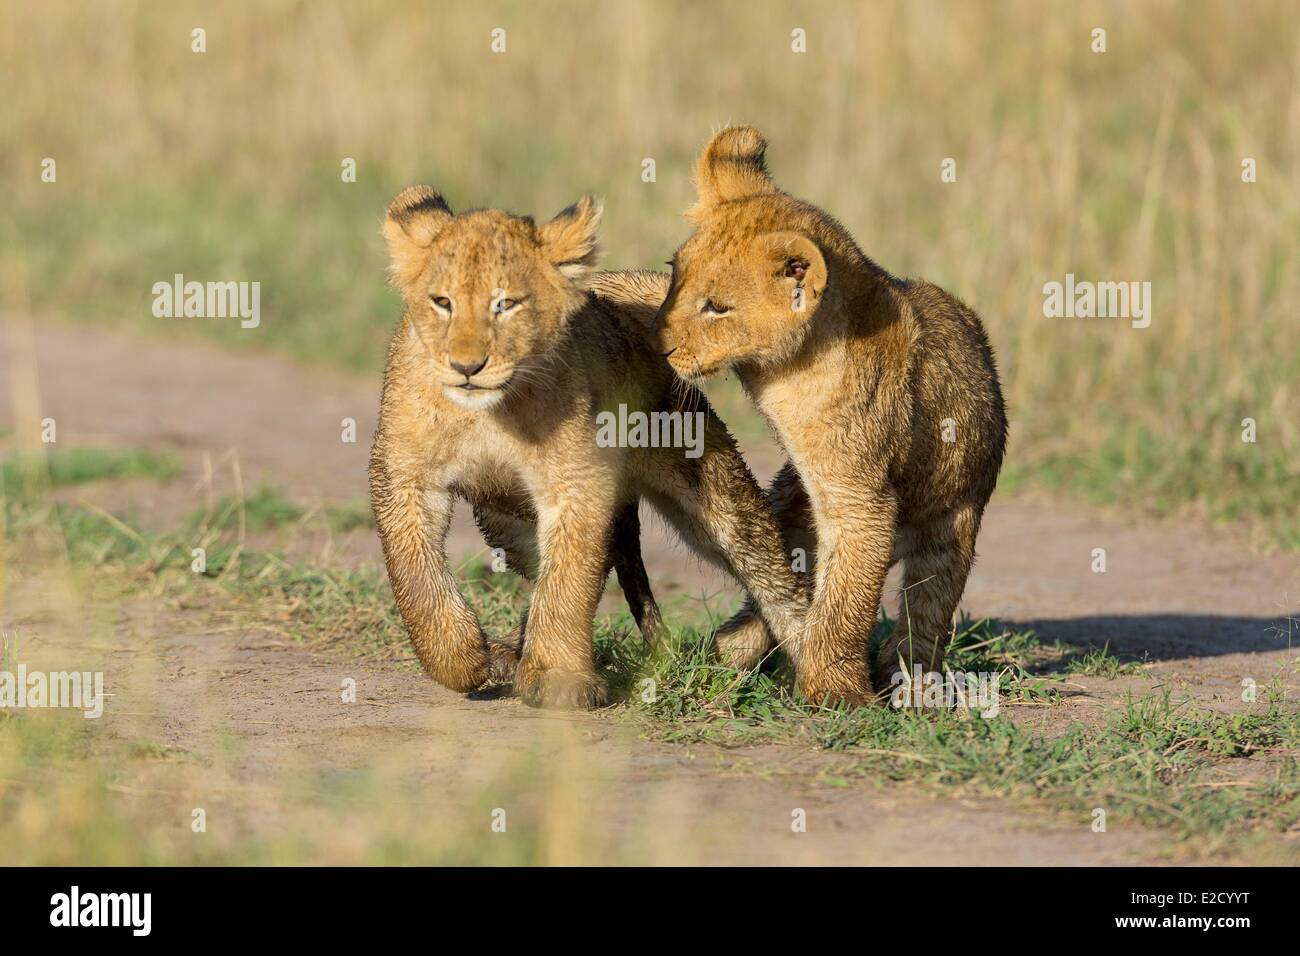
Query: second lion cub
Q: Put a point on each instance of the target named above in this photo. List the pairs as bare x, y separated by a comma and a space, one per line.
496, 378
881, 390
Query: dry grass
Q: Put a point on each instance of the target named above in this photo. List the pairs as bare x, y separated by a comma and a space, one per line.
1116, 166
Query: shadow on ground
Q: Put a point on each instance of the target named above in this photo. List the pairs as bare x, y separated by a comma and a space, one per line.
1157, 637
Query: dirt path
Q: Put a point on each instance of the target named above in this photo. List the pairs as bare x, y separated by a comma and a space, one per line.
1195, 600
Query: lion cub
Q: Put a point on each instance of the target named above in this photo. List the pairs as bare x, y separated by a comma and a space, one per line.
882, 391
497, 377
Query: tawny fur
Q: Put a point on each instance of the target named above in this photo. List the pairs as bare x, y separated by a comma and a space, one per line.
499, 303
862, 376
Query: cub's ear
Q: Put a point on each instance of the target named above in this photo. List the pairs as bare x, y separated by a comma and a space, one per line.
731, 166
796, 262
569, 240
414, 218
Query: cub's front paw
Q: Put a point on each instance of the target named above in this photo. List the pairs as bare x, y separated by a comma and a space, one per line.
463, 672
573, 690
457, 659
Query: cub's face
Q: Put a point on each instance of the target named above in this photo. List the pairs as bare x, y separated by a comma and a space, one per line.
487, 293
746, 284
738, 296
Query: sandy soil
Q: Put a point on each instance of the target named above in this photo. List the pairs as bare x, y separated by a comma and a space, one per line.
1204, 608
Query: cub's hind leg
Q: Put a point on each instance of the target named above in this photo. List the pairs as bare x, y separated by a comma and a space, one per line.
510, 530
937, 562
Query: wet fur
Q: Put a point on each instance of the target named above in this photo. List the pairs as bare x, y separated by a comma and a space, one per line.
521, 448
856, 387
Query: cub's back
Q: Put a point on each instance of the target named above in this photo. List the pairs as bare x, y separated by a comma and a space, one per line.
954, 377
636, 292
611, 338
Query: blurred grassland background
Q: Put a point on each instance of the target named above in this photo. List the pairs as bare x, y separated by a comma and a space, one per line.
1122, 166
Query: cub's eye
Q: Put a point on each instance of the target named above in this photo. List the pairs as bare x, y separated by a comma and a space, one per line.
712, 308
504, 305
441, 302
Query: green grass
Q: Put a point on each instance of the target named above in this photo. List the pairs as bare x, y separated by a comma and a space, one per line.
27, 474
1100, 662
1155, 761
352, 517
264, 509
267, 509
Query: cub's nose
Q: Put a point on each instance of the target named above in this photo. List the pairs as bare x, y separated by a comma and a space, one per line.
469, 368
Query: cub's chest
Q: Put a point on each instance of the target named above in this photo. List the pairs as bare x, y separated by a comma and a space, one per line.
494, 459
485, 458
798, 411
